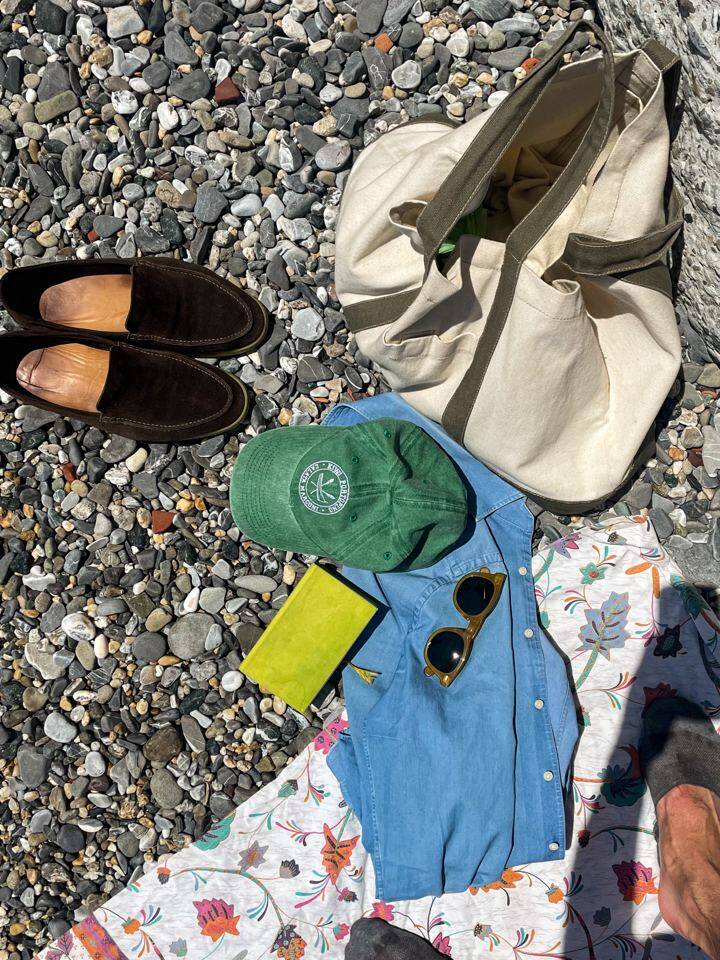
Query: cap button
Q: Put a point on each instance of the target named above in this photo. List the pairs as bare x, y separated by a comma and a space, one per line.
387, 555
353, 517
355, 459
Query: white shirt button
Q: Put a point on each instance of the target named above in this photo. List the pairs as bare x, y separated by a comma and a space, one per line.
528, 633
548, 775
522, 571
539, 704
553, 846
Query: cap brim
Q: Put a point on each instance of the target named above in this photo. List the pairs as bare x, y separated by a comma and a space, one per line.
260, 487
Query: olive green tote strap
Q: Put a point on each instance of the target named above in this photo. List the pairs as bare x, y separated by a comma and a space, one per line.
476, 167
378, 311
593, 256
471, 175
670, 65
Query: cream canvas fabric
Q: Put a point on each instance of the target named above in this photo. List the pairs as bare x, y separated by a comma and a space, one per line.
548, 345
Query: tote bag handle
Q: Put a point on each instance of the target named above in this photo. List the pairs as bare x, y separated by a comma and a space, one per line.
470, 178
471, 175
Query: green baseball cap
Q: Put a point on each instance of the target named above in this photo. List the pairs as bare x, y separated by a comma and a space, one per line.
375, 495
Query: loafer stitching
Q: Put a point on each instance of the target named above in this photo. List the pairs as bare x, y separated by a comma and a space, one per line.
184, 423
211, 280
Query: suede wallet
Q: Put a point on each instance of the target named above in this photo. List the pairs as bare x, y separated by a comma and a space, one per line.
305, 643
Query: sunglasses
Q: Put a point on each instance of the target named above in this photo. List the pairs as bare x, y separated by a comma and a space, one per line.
447, 650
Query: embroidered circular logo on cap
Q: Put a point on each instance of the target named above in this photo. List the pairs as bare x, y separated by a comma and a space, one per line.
324, 487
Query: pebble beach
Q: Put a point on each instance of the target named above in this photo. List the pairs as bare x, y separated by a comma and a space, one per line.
224, 134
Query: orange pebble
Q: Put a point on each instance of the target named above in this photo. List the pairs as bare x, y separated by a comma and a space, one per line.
529, 64
161, 520
383, 43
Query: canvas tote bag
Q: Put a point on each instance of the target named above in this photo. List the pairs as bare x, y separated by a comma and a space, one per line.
546, 346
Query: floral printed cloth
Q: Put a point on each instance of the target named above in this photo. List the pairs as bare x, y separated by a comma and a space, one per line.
286, 875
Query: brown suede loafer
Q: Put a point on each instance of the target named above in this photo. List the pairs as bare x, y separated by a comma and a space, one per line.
149, 395
153, 302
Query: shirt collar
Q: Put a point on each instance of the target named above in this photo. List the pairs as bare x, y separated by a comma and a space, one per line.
490, 491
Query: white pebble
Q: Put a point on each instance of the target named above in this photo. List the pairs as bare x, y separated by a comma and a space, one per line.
232, 680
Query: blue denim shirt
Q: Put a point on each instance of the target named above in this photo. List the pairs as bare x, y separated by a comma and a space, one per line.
480, 766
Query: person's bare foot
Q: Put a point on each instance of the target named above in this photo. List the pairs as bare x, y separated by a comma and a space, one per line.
689, 842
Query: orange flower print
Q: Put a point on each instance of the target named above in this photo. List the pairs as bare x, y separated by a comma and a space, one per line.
382, 911
507, 881
654, 573
163, 874
216, 918
336, 853
131, 927
289, 945
554, 894
635, 882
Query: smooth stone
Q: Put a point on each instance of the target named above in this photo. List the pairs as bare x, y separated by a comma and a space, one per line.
192, 86
163, 745
165, 790
193, 734
212, 599
509, 58
49, 17
710, 376
491, 10
333, 156
408, 75
232, 680
370, 15
307, 324
711, 450
33, 767
662, 523
149, 647
187, 636
58, 728
246, 206
256, 583
124, 101
210, 204
167, 116
78, 626
207, 16
396, 11
525, 26
177, 51
122, 21
56, 106
94, 763
459, 44
70, 838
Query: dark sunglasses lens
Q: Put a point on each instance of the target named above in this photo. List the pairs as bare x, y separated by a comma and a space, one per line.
474, 595
445, 651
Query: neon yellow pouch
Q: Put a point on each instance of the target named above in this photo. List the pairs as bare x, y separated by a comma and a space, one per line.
304, 644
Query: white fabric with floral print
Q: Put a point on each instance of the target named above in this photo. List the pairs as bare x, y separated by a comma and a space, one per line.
286, 875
